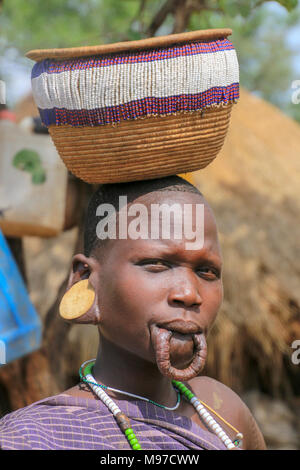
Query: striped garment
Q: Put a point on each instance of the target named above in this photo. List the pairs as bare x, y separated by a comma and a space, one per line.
103, 89
67, 422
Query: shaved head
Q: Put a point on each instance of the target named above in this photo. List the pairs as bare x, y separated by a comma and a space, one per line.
110, 193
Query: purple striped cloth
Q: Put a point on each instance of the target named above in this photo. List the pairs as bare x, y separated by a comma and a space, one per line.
65, 422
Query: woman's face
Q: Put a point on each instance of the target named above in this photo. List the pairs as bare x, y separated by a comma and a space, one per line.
154, 282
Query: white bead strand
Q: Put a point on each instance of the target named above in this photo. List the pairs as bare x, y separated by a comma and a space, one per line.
103, 396
212, 423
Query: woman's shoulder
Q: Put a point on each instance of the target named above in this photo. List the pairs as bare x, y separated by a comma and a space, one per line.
47, 407
228, 404
20, 426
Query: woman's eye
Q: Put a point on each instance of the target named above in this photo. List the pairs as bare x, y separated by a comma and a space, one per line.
210, 273
154, 264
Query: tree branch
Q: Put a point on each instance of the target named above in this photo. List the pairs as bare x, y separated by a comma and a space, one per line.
139, 16
160, 17
182, 15
182, 11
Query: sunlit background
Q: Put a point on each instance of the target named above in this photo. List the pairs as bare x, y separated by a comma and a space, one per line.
253, 187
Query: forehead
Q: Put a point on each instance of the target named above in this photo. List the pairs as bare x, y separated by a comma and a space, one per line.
184, 203
173, 245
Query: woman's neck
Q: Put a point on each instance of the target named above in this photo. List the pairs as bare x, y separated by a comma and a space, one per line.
124, 371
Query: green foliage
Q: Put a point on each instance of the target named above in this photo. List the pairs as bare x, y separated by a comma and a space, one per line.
259, 32
42, 24
56, 23
288, 4
245, 7
265, 59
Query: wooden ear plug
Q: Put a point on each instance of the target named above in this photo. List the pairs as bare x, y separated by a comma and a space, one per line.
77, 300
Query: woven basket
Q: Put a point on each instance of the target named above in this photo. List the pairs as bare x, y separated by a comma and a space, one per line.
138, 110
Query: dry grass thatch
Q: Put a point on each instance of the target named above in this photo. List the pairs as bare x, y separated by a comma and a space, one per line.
253, 188
26, 107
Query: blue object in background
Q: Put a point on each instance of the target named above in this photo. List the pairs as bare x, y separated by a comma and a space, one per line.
20, 325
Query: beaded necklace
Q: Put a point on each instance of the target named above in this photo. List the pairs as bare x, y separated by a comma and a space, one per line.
124, 422
88, 370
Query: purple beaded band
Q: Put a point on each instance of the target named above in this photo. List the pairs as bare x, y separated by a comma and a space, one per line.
136, 109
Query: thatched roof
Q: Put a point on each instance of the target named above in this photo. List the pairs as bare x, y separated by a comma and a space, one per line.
26, 107
253, 188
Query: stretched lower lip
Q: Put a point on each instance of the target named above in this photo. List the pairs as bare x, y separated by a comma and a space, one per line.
181, 327
165, 338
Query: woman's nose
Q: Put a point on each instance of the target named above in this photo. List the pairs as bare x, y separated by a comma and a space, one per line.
185, 292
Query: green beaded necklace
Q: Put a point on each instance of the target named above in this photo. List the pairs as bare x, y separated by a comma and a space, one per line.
88, 370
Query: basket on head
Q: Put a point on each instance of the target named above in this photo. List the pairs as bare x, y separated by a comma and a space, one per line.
140, 109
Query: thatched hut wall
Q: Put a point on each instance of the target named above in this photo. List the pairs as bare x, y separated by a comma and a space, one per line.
253, 187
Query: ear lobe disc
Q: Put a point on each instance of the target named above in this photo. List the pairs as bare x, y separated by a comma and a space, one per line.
77, 300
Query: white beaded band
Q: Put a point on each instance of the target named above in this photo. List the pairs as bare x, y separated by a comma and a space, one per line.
103, 396
113, 85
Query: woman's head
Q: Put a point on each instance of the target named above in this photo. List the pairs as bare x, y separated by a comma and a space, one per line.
159, 293
114, 195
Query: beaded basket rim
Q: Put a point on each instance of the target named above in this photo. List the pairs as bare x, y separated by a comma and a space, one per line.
149, 43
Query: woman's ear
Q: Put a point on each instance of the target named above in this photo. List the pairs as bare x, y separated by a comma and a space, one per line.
80, 304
